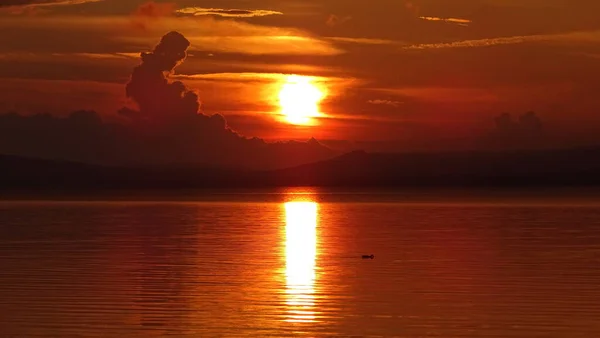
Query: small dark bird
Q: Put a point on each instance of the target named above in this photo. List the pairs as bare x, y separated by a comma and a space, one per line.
368, 256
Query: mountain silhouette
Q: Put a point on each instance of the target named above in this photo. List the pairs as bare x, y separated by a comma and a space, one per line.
565, 167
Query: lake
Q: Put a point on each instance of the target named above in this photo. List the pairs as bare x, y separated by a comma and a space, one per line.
289, 264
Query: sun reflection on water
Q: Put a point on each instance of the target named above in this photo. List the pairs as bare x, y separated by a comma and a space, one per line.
301, 253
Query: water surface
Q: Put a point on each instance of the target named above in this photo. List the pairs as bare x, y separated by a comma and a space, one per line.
284, 264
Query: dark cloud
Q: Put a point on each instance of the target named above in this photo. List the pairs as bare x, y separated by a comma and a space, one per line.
166, 127
524, 132
151, 89
528, 123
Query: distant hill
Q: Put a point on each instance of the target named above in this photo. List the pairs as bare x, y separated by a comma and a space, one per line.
356, 169
556, 167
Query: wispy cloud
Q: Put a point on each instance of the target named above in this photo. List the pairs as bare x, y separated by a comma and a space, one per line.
335, 20
364, 41
385, 102
574, 37
434, 94
28, 6
154, 9
255, 77
103, 56
228, 13
263, 45
207, 34
458, 21
28, 56
43, 3
148, 13
237, 77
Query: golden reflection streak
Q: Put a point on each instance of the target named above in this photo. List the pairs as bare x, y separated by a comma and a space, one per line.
301, 253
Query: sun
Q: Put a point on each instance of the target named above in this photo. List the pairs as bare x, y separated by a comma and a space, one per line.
299, 98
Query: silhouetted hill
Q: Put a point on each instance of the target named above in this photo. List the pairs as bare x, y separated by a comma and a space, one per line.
556, 167
356, 169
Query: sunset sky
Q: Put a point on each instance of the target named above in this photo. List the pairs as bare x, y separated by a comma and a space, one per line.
386, 68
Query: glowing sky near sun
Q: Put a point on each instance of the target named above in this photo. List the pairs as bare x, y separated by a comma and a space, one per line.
299, 98
410, 71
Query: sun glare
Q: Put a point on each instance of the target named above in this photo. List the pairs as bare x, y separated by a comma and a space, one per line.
301, 252
299, 98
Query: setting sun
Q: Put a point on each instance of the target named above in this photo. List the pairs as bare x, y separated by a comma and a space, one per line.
299, 99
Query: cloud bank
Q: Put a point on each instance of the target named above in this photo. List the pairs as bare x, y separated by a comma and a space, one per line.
163, 125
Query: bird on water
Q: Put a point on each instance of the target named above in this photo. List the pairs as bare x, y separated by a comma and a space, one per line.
368, 256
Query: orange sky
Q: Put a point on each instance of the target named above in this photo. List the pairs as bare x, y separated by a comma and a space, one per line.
392, 68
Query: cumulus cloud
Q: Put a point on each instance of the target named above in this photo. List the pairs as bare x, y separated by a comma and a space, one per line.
151, 89
227, 13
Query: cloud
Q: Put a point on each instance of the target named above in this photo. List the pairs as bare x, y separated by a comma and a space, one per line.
412, 7
364, 41
461, 22
164, 125
265, 45
102, 34
31, 6
256, 94
43, 3
155, 9
247, 77
227, 13
385, 102
147, 13
442, 94
335, 20
525, 132
152, 91
228, 66
573, 37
